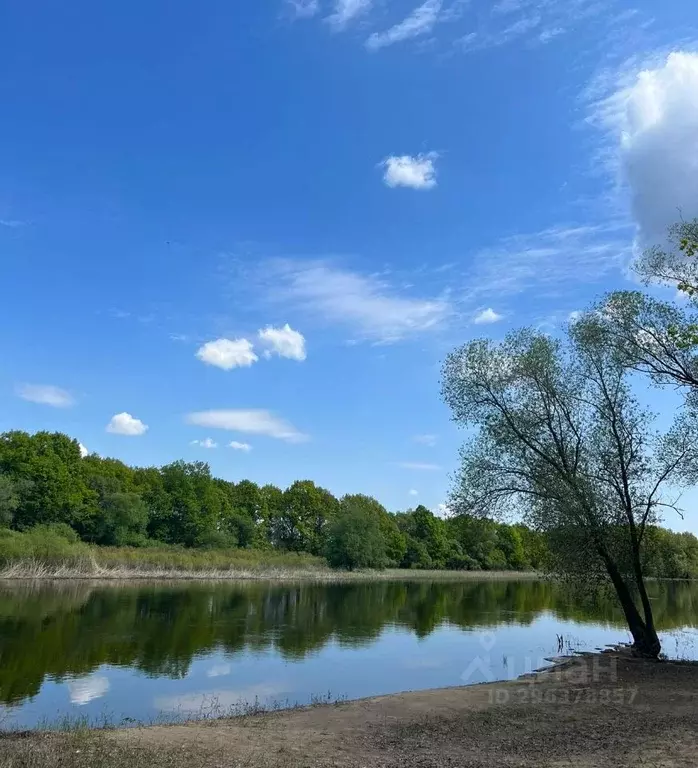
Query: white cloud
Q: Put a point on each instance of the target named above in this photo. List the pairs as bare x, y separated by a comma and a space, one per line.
125, 424
367, 304
652, 124
429, 440
416, 172
419, 22
83, 451
347, 10
455, 11
256, 422
46, 394
419, 466
246, 447
303, 9
574, 316
228, 353
11, 223
284, 342
487, 316
554, 261
534, 22
83, 690
207, 442
550, 34
412, 492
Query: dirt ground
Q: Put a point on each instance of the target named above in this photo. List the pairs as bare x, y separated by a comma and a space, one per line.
590, 712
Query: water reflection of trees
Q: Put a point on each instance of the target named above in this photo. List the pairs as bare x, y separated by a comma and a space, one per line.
55, 633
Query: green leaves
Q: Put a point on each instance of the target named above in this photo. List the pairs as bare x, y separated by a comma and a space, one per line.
355, 538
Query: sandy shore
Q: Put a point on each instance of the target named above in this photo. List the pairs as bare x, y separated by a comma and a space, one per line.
592, 711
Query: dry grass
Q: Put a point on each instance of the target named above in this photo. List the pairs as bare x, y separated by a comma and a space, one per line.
90, 568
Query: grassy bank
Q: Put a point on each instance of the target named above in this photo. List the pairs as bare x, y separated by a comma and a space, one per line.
47, 554
629, 713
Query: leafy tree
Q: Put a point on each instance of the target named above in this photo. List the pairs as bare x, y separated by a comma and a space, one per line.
122, 521
9, 499
194, 504
476, 537
355, 539
510, 544
271, 505
416, 554
149, 484
306, 511
676, 263
395, 541
50, 467
660, 338
422, 525
562, 439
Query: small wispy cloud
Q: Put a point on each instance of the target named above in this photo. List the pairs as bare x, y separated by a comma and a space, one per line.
532, 21
554, 261
303, 9
236, 446
418, 466
420, 22
429, 440
207, 442
46, 394
256, 422
487, 316
11, 223
413, 171
455, 11
346, 11
370, 307
413, 492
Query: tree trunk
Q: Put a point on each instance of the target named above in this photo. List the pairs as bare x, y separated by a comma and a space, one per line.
651, 634
645, 640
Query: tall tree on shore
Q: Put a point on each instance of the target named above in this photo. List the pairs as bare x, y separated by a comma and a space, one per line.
563, 441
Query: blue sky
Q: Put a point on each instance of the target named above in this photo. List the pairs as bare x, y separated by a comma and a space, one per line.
268, 222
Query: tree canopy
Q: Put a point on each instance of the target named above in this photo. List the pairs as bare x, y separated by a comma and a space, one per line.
563, 441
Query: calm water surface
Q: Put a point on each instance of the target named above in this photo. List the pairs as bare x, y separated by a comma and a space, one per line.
147, 652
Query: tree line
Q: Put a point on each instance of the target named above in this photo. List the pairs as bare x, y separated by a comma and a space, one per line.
45, 481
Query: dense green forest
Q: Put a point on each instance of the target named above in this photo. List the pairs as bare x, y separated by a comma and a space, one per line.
47, 488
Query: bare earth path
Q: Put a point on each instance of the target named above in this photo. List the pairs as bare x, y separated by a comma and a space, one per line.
594, 711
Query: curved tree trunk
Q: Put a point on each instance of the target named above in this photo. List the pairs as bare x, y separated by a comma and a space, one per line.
645, 640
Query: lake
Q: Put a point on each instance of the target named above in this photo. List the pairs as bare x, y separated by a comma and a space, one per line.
153, 651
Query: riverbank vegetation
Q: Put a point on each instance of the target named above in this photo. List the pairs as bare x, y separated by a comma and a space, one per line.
63, 513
